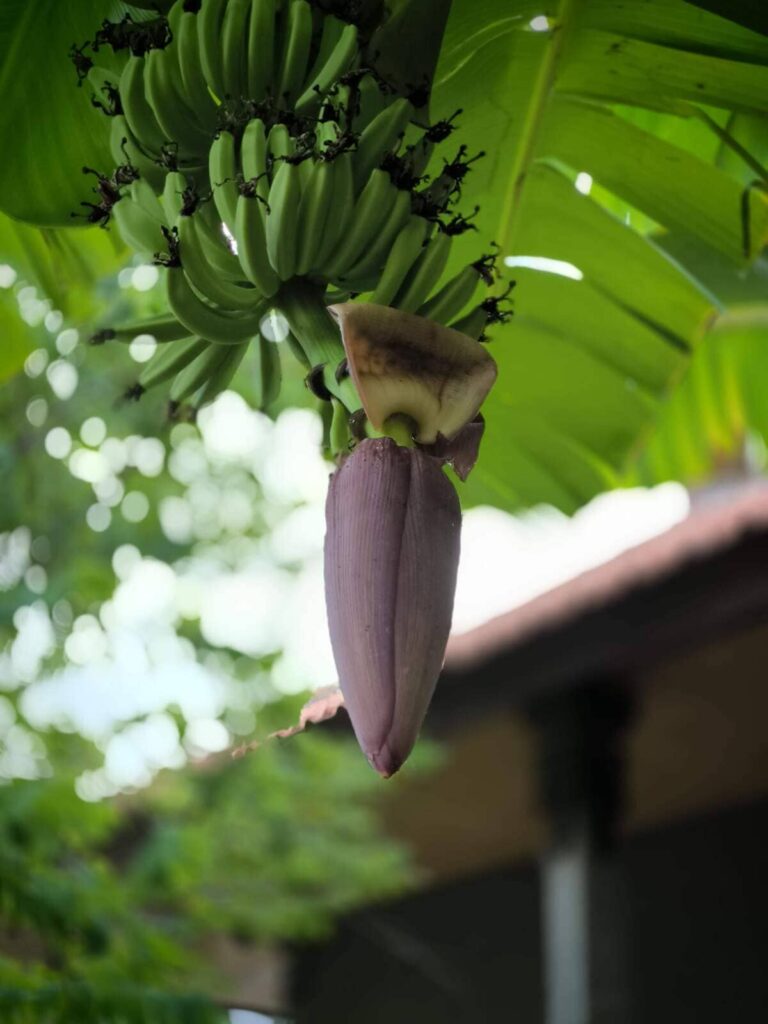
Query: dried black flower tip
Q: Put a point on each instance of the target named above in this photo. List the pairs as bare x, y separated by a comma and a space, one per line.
418, 95
192, 200
459, 224
172, 257
400, 171
249, 188
81, 60
315, 383
486, 265
342, 371
459, 167
440, 131
169, 156
493, 306
357, 422
133, 393
112, 104
102, 335
138, 37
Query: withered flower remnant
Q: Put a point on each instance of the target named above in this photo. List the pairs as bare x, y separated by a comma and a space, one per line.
408, 365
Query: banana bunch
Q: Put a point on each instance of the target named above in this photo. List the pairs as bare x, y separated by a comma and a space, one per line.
172, 98
262, 150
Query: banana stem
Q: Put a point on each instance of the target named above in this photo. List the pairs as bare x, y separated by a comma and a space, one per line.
302, 305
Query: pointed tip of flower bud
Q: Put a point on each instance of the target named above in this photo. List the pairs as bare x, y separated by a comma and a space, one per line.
385, 762
391, 559
404, 364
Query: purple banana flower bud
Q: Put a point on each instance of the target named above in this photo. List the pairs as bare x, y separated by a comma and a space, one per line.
391, 557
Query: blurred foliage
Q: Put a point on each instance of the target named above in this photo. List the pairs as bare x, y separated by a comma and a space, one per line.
662, 106
716, 421
106, 905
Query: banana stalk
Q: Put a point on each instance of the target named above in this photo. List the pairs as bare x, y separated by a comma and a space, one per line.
302, 305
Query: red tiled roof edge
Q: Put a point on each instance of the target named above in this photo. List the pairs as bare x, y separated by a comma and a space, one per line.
707, 530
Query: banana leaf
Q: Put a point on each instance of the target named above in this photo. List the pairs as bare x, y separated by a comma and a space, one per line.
641, 97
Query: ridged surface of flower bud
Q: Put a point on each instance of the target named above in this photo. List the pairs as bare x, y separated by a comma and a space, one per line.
391, 557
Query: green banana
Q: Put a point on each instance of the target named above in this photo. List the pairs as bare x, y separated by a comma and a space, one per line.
174, 17
279, 143
340, 211
221, 379
339, 435
209, 28
234, 40
217, 250
197, 96
261, 47
185, 75
141, 192
202, 275
250, 233
293, 66
172, 199
162, 329
296, 350
253, 158
404, 252
282, 223
313, 215
371, 211
166, 363
329, 30
473, 324
205, 321
140, 230
379, 137
373, 261
339, 61
449, 302
305, 171
176, 121
138, 113
418, 154
222, 168
212, 369
341, 98
370, 102
424, 274
270, 370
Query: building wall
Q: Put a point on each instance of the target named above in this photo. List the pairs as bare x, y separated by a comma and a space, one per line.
469, 952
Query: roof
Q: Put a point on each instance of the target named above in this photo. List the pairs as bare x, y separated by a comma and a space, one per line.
703, 577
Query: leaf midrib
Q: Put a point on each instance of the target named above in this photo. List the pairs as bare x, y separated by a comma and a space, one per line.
526, 148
